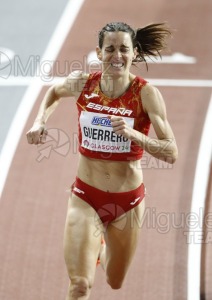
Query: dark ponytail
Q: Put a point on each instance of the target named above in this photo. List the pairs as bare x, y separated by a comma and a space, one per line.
150, 40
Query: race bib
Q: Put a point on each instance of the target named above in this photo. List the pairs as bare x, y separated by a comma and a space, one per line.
98, 134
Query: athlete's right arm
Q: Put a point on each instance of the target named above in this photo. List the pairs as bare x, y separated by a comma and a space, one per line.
71, 87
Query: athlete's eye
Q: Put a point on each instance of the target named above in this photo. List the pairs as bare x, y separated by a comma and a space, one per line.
109, 49
124, 50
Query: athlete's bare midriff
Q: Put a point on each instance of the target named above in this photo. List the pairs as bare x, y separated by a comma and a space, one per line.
112, 176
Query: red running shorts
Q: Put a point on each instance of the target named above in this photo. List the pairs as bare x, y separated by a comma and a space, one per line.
109, 206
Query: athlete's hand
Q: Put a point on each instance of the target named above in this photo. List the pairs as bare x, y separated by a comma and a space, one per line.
37, 134
121, 127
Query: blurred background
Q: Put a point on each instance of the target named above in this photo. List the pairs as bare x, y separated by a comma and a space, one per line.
42, 42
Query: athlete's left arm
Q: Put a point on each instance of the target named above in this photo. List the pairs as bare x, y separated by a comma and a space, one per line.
164, 146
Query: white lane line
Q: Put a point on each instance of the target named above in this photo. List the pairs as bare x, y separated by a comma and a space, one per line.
181, 82
24, 81
198, 202
16, 129
175, 58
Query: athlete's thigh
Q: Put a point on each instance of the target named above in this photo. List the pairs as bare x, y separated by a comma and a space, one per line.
122, 238
81, 239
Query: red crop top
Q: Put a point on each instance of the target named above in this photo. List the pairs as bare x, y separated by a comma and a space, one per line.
96, 136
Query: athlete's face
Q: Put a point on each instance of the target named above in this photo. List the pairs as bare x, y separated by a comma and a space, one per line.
117, 53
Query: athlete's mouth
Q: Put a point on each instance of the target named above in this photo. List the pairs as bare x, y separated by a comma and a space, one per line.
117, 65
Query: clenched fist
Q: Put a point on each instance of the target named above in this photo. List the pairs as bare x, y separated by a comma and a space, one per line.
37, 134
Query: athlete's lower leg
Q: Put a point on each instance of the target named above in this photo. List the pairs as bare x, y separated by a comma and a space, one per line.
81, 248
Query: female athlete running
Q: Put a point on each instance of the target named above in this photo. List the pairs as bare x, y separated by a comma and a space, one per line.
115, 110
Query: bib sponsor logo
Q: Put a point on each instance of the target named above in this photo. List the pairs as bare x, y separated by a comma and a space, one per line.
104, 121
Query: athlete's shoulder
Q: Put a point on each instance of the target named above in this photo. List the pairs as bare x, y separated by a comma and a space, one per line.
151, 98
141, 80
78, 75
148, 90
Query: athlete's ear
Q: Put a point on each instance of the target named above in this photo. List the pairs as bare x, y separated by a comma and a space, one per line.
135, 50
99, 53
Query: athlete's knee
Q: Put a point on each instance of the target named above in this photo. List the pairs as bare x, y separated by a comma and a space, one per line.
79, 287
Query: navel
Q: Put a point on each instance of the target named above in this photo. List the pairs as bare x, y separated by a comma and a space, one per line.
107, 175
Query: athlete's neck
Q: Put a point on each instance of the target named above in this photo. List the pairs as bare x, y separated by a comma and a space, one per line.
115, 86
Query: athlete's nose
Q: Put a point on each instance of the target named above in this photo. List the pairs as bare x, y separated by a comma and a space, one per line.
117, 54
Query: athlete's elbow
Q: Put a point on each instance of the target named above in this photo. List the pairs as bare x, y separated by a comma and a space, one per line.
56, 92
173, 155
